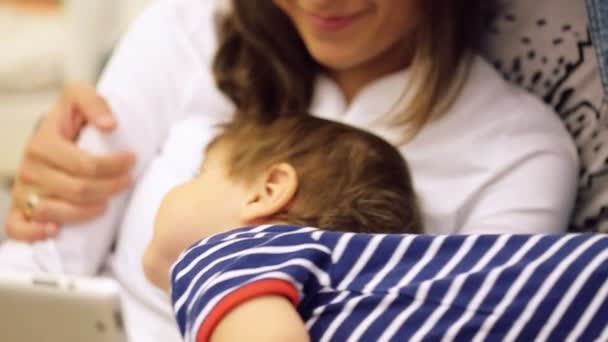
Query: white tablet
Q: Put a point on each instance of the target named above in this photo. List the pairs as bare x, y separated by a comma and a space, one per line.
50, 308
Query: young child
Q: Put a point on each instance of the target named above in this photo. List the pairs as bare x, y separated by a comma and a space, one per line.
280, 279
302, 171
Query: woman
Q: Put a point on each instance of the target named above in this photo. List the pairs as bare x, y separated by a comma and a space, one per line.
485, 157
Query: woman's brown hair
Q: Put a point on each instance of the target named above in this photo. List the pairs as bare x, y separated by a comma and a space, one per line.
263, 66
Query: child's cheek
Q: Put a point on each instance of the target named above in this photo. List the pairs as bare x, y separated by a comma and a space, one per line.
149, 263
156, 266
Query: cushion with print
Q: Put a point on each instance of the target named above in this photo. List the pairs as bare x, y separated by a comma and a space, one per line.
545, 47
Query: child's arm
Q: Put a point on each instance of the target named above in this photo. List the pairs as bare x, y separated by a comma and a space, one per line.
268, 318
230, 288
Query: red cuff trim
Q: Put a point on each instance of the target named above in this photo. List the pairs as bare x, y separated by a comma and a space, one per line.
241, 295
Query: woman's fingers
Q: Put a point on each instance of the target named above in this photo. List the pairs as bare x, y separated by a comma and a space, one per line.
53, 141
47, 145
52, 210
65, 155
85, 106
71, 185
19, 228
73, 189
49, 209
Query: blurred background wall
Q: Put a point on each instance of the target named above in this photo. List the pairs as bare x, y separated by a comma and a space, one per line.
44, 44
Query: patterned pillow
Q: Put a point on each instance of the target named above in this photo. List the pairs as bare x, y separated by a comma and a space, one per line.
545, 47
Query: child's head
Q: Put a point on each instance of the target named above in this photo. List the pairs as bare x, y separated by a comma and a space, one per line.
334, 176
299, 170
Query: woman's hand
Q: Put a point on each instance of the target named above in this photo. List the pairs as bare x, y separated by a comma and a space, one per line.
68, 184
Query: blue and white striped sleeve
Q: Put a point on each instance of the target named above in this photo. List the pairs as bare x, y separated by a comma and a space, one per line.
219, 273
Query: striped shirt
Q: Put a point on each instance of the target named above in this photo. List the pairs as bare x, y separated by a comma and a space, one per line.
375, 287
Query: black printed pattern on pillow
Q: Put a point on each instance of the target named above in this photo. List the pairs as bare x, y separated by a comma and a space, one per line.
551, 55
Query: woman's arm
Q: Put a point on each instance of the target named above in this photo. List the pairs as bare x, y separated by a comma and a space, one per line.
78, 248
534, 182
268, 318
54, 163
531, 198
141, 87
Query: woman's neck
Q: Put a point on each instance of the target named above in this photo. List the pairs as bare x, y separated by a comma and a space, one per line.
352, 80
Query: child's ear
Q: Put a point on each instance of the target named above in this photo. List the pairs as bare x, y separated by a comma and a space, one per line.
271, 194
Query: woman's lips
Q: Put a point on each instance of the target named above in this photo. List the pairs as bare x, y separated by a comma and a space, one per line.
333, 23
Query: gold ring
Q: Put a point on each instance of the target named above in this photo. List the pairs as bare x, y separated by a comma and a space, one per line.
31, 202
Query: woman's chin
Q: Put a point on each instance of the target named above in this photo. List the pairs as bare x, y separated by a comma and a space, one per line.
336, 60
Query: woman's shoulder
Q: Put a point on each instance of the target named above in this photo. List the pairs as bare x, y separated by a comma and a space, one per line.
492, 110
192, 13
192, 21
179, 37
486, 89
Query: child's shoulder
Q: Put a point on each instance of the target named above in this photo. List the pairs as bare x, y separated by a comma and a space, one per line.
296, 233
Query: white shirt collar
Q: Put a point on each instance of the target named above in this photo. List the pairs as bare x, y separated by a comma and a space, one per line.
375, 100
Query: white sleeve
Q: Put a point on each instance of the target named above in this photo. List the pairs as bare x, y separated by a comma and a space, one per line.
142, 84
534, 190
145, 79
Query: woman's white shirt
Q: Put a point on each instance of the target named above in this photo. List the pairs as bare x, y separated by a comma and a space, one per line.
498, 162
